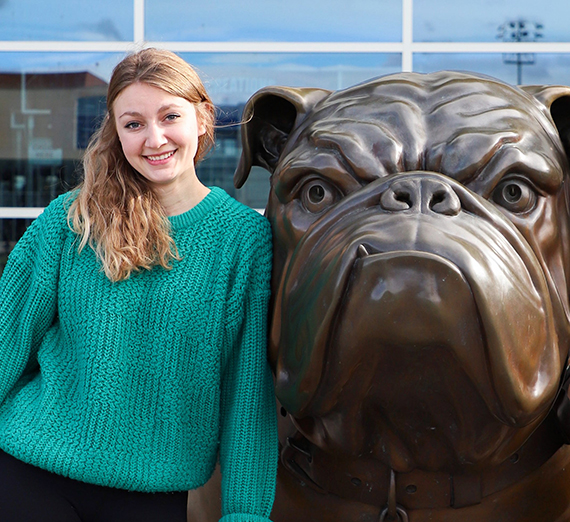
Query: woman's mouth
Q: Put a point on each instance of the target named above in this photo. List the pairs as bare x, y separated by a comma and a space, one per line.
160, 158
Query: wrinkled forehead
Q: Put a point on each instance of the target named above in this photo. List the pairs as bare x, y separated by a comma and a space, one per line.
454, 127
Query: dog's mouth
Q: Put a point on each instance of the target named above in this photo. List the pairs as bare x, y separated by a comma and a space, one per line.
408, 298
411, 298
415, 344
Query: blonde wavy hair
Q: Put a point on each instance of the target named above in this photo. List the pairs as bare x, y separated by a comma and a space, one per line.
116, 212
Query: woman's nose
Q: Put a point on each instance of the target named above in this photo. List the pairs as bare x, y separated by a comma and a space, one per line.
155, 137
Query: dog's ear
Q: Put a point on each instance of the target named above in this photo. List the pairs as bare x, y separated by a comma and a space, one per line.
269, 117
556, 99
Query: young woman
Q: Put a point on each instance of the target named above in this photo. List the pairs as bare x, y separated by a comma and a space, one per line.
133, 326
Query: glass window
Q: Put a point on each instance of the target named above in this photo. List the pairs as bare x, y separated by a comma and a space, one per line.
66, 20
90, 113
489, 21
232, 78
530, 69
49, 105
10, 231
261, 20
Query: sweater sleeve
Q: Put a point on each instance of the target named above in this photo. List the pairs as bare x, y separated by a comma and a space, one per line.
28, 293
248, 440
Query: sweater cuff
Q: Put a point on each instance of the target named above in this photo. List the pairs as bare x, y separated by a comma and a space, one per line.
243, 517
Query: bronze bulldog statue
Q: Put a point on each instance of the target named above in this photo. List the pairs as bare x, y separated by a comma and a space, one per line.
420, 317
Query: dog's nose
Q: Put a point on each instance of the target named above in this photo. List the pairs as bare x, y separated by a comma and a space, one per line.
421, 195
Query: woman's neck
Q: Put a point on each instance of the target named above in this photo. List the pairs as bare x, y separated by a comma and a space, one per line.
180, 197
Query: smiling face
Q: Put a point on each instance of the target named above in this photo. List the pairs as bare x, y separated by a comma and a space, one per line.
159, 135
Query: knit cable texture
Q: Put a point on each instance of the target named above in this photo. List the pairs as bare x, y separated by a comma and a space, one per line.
143, 383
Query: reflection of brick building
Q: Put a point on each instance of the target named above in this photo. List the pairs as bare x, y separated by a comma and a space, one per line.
46, 119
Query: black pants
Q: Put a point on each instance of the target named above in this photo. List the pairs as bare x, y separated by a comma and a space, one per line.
30, 494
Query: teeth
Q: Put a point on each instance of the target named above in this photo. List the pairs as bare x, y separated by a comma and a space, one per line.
161, 157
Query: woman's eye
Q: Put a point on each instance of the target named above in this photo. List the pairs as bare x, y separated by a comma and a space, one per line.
132, 125
172, 117
317, 195
515, 196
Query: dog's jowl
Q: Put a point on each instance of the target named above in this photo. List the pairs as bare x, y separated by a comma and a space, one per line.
420, 314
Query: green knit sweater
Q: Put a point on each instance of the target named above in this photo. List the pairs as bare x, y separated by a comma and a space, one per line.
140, 384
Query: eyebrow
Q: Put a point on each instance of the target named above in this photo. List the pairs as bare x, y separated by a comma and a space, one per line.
162, 109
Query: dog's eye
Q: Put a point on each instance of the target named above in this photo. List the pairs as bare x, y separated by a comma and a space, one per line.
514, 195
316, 195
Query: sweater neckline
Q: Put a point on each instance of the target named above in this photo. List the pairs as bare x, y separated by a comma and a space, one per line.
196, 213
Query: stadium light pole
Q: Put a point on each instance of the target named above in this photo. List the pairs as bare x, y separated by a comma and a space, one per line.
519, 31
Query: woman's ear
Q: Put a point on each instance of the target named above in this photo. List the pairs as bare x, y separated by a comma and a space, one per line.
204, 112
201, 126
